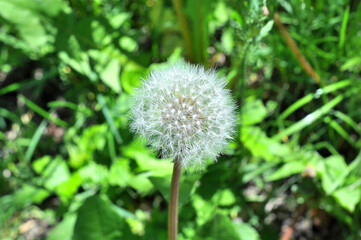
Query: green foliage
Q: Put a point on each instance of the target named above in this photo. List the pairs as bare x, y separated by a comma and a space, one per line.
97, 220
69, 164
220, 227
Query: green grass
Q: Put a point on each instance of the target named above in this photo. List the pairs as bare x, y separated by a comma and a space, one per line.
68, 160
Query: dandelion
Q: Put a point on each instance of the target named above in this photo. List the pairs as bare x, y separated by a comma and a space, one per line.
185, 112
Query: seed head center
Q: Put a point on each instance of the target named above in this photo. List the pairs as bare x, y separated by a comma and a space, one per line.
183, 114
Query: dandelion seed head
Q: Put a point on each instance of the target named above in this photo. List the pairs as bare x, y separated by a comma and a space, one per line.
185, 112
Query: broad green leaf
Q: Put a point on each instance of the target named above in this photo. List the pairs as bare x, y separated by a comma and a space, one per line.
221, 13
78, 60
219, 227
147, 161
224, 197
122, 105
123, 213
288, 169
53, 171
131, 76
348, 197
260, 145
266, 29
94, 137
99, 33
205, 209
25, 17
185, 189
128, 43
81, 148
336, 210
252, 170
28, 194
120, 18
97, 220
141, 183
352, 168
64, 229
246, 231
79, 199
40, 164
94, 174
120, 173
19, 199
155, 229
227, 41
46, 7
215, 176
253, 112
68, 188
111, 75
330, 170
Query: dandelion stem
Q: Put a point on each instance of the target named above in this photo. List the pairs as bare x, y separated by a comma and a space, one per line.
173, 202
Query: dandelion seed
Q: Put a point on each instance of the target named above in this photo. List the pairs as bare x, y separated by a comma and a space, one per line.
180, 110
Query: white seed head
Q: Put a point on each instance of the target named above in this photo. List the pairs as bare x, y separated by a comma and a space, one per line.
185, 112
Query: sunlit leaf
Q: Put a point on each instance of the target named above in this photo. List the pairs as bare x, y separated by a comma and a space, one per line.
97, 220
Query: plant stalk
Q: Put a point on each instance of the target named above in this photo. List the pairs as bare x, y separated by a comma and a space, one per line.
173, 202
291, 43
178, 5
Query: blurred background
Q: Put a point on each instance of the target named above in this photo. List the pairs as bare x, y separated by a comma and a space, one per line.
70, 168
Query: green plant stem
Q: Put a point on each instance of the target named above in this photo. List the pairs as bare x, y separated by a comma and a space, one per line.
178, 5
173, 202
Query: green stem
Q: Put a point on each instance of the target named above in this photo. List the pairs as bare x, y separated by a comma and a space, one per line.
184, 28
173, 202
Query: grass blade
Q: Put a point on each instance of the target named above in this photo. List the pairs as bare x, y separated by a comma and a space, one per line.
35, 140
339, 129
42, 112
56, 104
109, 118
27, 83
309, 119
349, 121
19, 85
344, 28
111, 147
309, 97
325, 145
7, 114
298, 104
